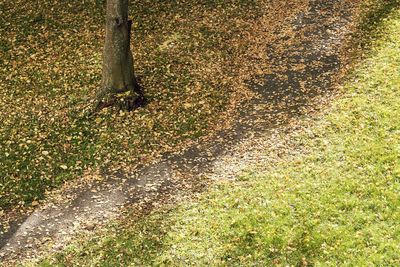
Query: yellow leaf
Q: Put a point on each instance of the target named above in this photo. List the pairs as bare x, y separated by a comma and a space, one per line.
64, 167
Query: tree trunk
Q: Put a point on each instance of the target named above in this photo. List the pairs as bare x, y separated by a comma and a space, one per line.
118, 71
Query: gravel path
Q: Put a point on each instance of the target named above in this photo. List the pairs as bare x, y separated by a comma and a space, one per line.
303, 62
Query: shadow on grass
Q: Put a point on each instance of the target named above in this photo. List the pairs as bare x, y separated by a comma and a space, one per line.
138, 242
371, 21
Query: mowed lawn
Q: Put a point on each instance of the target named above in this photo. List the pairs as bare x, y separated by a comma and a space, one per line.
335, 204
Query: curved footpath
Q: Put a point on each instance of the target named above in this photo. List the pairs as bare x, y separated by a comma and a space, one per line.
304, 63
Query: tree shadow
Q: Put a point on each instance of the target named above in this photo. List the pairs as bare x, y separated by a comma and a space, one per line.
131, 103
371, 21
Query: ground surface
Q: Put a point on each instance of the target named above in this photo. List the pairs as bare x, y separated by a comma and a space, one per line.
326, 193
193, 66
303, 59
50, 53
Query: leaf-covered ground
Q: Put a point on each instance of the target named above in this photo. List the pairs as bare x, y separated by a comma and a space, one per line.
192, 57
334, 204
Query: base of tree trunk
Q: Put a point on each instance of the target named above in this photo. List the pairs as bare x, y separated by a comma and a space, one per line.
128, 103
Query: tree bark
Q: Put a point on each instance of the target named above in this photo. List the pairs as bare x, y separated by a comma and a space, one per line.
118, 72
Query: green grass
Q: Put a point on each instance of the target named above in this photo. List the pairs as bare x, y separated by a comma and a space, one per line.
336, 205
